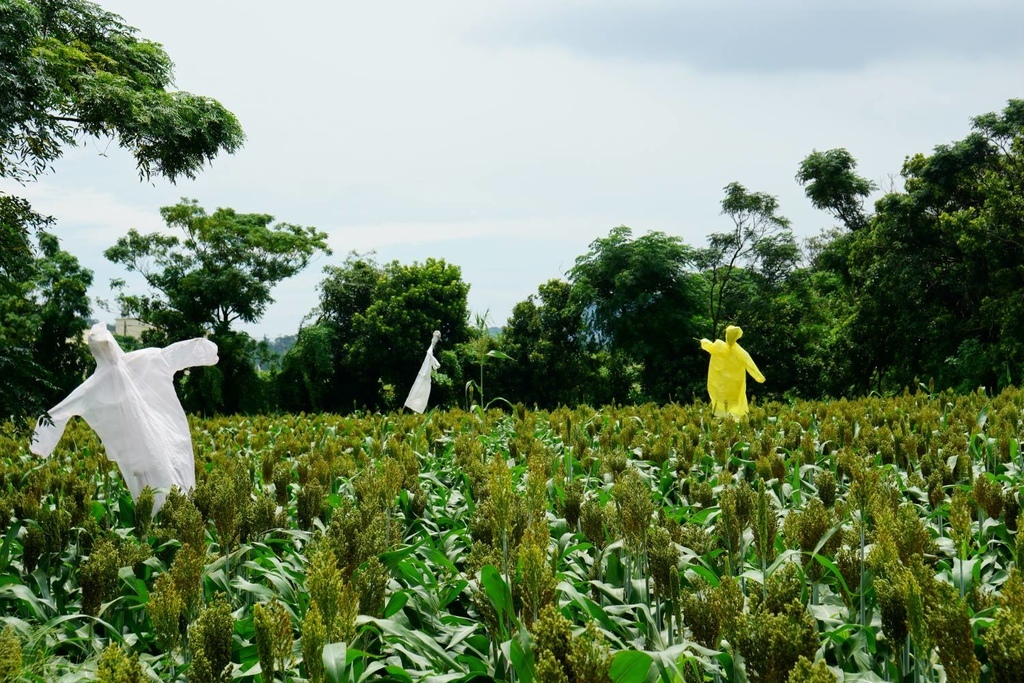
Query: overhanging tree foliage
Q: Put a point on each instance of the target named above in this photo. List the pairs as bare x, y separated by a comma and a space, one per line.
23, 382
68, 68
17, 221
69, 71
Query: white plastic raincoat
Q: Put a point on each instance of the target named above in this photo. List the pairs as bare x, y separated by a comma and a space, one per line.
129, 400
420, 391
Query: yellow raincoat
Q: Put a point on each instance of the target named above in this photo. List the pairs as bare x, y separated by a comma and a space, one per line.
727, 374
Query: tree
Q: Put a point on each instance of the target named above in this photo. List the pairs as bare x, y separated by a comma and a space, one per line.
312, 370
834, 363
69, 70
309, 370
348, 290
640, 301
830, 182
937, 270
760, 241
17, 220
393, 332
43, 317
552, 359
373, 325
62, 295
23, 383
220, 271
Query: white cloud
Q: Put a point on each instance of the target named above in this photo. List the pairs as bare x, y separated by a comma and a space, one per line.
370, 236
87, 219
761, 37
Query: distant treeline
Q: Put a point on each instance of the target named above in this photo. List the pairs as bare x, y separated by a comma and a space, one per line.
923, 288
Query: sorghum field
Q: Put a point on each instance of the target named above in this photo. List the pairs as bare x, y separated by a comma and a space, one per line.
854, 540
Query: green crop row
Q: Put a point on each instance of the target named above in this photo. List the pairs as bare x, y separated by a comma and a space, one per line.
860, 540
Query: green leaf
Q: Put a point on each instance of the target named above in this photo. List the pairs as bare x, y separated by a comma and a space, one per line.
707, 574
256, 589
392, 558
630, 666
31, 600
499, 594
964, 573
5, 550
415, 644
334, 662
833, 569
398, 674
522, 657
396, 603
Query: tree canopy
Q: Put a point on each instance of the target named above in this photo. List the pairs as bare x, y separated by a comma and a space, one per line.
937, 270
220, 270
922, 285
41, 321
759, 242
552, 354
70, 70
832, 185
641, 297
373, 326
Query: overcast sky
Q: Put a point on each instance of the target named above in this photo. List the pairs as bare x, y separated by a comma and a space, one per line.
505, 136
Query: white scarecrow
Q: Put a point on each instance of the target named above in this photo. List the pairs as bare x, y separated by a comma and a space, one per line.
420, 391
129, 400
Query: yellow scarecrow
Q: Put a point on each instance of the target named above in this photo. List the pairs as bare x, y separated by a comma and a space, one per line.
727, 374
